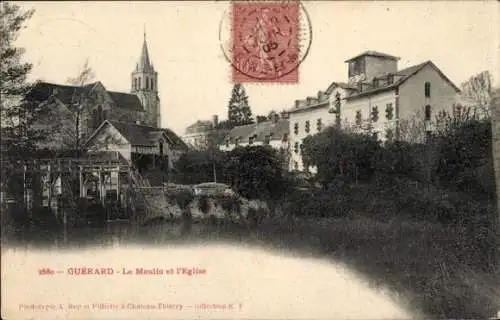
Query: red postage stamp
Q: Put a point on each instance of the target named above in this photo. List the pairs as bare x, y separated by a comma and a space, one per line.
267, 41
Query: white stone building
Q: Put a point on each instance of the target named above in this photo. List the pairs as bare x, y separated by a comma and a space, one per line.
377, 95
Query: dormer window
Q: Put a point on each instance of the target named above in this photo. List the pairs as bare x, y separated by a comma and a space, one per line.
390, 79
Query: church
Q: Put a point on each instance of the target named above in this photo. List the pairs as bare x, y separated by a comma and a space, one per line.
98, 119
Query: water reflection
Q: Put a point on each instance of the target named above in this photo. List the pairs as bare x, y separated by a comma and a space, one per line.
121, 234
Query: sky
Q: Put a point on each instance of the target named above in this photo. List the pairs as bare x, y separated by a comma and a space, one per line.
194, 77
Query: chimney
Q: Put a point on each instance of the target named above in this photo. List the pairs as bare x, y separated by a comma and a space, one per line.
215, 120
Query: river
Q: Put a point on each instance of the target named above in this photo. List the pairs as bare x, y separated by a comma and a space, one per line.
160, 272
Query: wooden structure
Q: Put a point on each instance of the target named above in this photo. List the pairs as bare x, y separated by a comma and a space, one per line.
72, 188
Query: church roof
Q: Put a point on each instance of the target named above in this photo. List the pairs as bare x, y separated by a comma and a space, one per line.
144, 61
41, 91
126, 100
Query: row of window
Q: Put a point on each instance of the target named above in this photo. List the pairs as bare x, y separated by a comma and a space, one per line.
267, 140
307, 126
148, 81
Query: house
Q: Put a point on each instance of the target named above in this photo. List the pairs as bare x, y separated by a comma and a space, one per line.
273, 132
377, 97
196, 135
144, 146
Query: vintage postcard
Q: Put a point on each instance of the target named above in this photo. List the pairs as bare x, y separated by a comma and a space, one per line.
250, 160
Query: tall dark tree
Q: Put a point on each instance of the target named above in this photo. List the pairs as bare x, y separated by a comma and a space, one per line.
239, 112
17, 115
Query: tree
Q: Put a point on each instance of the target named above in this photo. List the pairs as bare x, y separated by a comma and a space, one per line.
17, 115
337, 153
496, 146
239, 112
255, 172
69, 125
478, 90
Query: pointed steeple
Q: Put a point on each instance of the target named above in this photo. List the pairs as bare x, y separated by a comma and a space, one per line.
144, 63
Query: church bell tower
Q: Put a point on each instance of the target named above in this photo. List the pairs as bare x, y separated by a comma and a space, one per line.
145, 86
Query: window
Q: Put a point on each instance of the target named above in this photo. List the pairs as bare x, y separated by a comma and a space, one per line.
389, 111
296, 128
151, 84
296, 165
139, 83
319, 125
99, 115
267, 139
390, 79
389, 135
296, 147
147, 82
427, 89
308, 126
397, 91
251, 139
427, 113
104, 115
301, 148
359, 118
285, 137
135, 83
161, 148
375, 114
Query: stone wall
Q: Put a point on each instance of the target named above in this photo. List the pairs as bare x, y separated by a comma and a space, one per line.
162, 203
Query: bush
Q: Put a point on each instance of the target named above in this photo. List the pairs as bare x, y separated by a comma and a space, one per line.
183, 198
203, 204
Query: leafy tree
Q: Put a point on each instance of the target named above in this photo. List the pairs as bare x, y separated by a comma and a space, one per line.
197, 166
239, 112
17, 115
255, 172
337, 153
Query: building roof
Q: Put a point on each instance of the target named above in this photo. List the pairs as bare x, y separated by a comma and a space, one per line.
342, 85
141, 135
41, 91
199, 126
374, 54
276, 130
402, 76
126, 100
